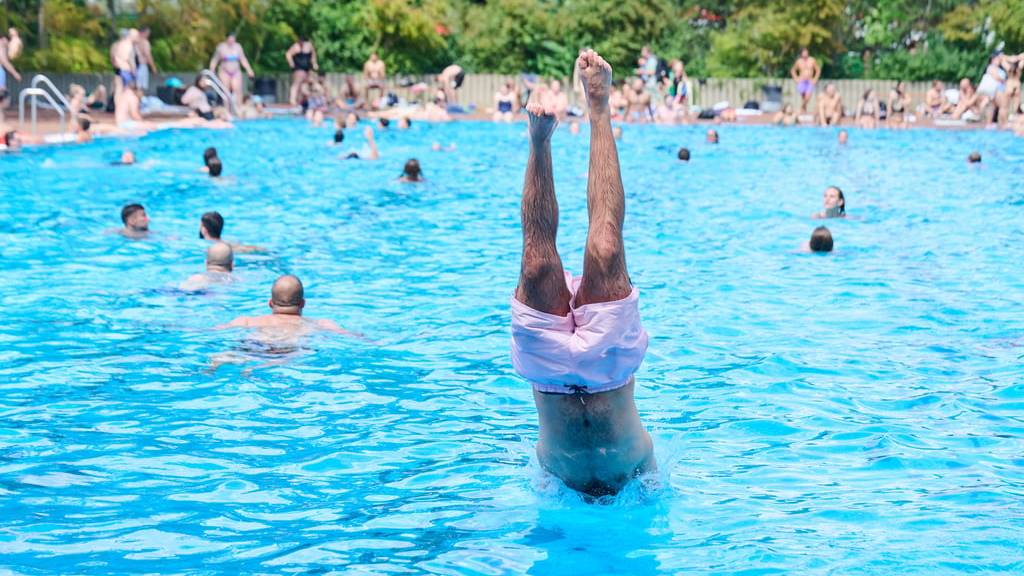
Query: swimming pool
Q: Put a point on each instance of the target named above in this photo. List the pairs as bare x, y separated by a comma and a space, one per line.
860, 412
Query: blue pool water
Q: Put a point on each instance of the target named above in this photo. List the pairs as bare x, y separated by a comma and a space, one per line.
860, 412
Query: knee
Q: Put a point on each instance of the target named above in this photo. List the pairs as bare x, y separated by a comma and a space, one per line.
606, 251
537, 268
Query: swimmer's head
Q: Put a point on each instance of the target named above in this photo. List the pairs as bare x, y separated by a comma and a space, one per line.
404, 122
127, 157
412, 170
286, 297
384, 122
436, 146
84, 124
134, 218
211, 225
617, 132
974, 158
843, 136
835, 200
210, 152
220, 257
821, 240
339, 136
215, 166
712, 136
12, 141
683, 154
351, 120
574, 127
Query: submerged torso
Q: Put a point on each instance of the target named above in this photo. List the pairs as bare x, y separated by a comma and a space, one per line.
594, 442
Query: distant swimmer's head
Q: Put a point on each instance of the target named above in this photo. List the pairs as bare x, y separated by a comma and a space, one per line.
210, 152
412, 171
220, 257
211, 225
127, 157
843, 136
12, 141
404, 123
215, 166
574, 128
683, 154
287, 297
821, 240
339, 136
134, 218
384, 122
617, 132
974, 158
351, 120
712, 136
835, 202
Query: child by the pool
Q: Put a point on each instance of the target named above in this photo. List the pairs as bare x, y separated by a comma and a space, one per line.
579, 341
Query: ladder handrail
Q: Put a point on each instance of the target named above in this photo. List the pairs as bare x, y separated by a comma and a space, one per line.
35, 93
45, 80
221, 91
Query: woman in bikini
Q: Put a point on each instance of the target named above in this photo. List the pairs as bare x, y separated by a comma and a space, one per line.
230, 57
867, 110
301, 57
899, 103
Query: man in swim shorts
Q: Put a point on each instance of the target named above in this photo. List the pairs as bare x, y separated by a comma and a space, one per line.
135, 220
374, 75
579, 341
123, 59
805, 73
7, 51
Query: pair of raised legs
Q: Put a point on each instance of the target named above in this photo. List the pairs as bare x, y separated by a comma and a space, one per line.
542, 279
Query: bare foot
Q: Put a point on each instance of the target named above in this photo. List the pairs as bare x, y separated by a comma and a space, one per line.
596, 75
542, 123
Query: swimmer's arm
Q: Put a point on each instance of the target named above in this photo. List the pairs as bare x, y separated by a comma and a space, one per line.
374, 154
246, 248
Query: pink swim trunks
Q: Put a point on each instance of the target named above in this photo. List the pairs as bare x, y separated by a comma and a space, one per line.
595, 348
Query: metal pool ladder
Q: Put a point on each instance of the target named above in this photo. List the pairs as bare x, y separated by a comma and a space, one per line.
218, 87
49, 91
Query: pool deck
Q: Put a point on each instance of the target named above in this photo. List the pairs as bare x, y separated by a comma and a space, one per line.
48, 122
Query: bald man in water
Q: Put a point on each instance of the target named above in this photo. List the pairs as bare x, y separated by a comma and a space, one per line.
287, 299
578, 341
220, 261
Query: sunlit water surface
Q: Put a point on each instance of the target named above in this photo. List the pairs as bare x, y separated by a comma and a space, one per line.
860, 412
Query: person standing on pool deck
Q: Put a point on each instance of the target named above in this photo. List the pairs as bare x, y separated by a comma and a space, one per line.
230, 56
7, 53
144, 60
805, 73
123, 58
579, 341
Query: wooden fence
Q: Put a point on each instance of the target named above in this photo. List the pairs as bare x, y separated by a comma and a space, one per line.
478, 89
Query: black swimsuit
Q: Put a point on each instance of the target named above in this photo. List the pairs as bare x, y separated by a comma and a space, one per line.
303, 61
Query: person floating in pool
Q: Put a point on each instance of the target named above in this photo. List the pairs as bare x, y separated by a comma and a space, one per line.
211, 224
712, 136
579, 341
220, 261
412, 172
135, 220
834, 204
821, 240
285, 319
